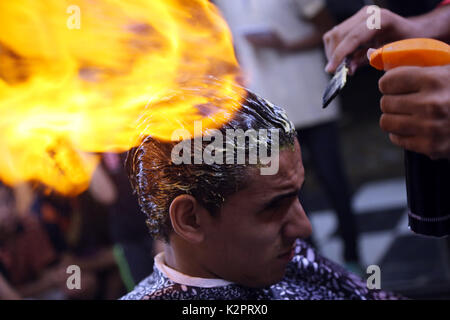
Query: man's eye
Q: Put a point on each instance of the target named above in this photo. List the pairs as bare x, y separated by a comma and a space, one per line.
273, 205
282, 203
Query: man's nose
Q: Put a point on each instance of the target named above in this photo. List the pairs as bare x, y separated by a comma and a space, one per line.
297, 224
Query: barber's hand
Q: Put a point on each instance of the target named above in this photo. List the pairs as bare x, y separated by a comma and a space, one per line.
416, 109
353, 34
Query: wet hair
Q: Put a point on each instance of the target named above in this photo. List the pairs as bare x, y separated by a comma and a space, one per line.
157, 181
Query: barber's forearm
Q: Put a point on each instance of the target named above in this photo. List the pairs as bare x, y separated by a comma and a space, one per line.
435, 24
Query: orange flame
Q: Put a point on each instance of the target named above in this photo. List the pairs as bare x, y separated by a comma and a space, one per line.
86, 76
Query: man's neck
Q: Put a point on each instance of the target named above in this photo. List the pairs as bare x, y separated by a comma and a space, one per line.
183, 260
184, 277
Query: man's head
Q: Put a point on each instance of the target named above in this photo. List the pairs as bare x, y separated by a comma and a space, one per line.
226, 220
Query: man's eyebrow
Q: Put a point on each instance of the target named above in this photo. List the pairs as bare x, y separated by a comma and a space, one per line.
280, 197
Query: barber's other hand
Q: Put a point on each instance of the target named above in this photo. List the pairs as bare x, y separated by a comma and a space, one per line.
353, 33
416, 109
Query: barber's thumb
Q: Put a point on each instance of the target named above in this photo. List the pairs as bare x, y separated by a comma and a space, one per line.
369, 52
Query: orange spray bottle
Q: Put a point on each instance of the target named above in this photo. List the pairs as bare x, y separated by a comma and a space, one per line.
427, 181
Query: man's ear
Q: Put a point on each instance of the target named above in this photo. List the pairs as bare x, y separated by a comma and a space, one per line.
185, 212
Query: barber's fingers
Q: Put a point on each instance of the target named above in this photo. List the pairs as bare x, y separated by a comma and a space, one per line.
333, 37
344, 39
407, 142
435, 149
402, 80
407, 104
404, 125
359, 36
358, 58
369, 53
413, 133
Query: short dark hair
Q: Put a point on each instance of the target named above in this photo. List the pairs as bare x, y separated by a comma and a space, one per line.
157, 181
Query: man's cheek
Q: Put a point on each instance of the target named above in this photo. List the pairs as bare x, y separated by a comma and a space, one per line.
263, 244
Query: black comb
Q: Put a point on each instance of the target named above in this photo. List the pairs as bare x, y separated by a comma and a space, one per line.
337, 83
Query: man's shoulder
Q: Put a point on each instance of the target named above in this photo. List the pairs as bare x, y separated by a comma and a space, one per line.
152, 287
308, 276
159, 287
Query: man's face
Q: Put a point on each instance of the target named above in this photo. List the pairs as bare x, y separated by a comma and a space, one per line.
250, 242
